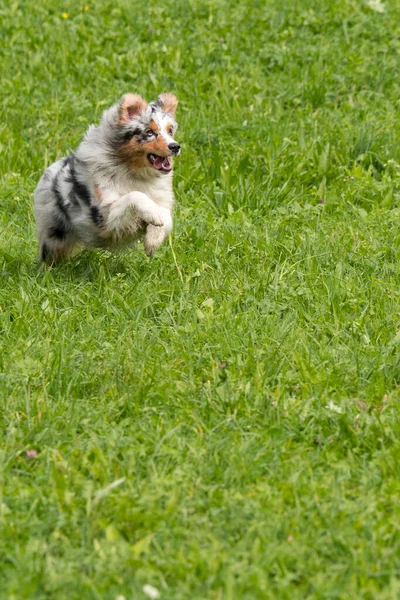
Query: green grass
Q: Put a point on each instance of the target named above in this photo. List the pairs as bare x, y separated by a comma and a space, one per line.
226, 427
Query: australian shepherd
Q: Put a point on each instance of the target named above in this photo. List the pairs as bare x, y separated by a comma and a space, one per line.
116, 188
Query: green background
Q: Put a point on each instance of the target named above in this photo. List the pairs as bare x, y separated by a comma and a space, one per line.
225, 426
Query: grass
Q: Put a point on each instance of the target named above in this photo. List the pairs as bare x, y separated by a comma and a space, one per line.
226, 427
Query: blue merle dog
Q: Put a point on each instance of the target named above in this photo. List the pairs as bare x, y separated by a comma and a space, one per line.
116, 188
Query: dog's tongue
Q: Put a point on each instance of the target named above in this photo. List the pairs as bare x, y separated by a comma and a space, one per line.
162, 163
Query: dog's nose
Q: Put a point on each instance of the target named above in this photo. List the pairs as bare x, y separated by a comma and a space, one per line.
174, 148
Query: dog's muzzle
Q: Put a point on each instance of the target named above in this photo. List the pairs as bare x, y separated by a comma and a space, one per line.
175, 148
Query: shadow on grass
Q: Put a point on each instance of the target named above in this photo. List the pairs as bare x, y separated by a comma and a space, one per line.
98, 265
88, 265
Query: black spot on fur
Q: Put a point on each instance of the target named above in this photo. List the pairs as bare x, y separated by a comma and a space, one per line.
57, 232
97, 217
45, 254
66, 161
128, 135
59, 198
80, 190
59, 229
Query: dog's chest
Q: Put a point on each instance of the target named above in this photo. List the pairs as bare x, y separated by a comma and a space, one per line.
160, 192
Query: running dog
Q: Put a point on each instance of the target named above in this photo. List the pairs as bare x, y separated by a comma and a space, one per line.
116, 188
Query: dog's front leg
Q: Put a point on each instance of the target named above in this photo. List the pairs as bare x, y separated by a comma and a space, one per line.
120, 214
156, 235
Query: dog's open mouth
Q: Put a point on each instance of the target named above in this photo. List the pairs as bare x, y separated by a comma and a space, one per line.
161, 163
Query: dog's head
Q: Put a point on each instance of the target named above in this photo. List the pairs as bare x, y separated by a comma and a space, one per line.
146, 133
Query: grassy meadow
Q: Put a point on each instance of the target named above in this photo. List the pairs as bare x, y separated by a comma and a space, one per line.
220, 422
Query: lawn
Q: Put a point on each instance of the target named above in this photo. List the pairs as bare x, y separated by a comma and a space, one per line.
220, 422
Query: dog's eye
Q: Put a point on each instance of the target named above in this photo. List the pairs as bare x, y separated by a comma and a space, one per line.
149, 133
171, 131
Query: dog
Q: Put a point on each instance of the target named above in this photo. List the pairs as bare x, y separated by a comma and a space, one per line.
116, 188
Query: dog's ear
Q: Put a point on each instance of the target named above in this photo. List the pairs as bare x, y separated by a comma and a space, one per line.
130, 106
168, 103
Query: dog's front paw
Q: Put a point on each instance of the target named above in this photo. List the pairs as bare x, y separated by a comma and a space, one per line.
153, 217
153, 239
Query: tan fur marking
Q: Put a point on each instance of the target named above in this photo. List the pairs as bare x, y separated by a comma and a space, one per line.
168, 102
130, 105
153, 126
98, 193
159, 147
134, 154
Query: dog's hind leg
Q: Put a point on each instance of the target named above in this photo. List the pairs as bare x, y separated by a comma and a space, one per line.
53, 251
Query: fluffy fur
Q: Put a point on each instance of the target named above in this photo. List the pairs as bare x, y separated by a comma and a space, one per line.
116, 188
